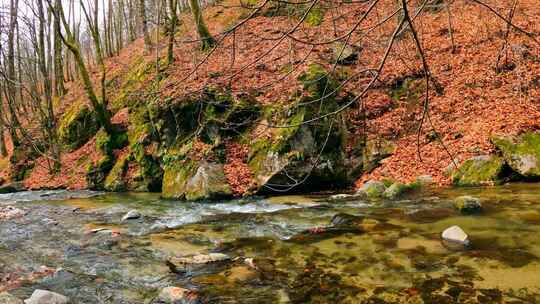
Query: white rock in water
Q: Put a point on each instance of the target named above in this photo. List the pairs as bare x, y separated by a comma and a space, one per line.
131, 215
455, 234
40, 296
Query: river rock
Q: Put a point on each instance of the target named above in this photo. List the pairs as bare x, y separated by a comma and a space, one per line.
12, 187
10, 212
521, 153
178, 265
397, 189
40, 296
468, 204
479, 170
173, 295
343, 197
6, 298
131, 215
456, 235
372, 189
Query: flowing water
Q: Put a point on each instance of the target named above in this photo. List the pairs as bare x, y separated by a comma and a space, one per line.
282, 249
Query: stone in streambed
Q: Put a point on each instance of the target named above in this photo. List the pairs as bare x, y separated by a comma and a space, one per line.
178, 265
131, 215
455, 235
40, 296
172, 294
468, 204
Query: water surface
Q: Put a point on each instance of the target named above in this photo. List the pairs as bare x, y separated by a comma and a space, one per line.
283, 249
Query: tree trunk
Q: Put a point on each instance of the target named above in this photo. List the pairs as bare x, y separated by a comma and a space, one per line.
207, 41
172, 30
59, 89
144, 22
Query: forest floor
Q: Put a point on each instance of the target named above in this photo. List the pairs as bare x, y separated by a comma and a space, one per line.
475, 103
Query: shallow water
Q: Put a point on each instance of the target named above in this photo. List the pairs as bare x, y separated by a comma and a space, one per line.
397, 256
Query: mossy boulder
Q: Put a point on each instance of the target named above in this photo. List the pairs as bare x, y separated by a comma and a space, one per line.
398, 189
375, 150
468, 204
373, 189
194, 181
521, 153
480, 170
306, 150
77, 126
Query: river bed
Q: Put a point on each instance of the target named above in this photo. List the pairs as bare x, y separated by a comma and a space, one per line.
281, 249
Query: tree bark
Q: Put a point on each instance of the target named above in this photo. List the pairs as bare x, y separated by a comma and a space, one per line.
207, 41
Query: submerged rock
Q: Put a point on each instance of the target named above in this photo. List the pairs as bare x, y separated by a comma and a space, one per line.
343, 197
131, 215
522, 153
6, 298
177, 264
40, 296
372, 189
468, 204
479, 170
173, 295
456, 235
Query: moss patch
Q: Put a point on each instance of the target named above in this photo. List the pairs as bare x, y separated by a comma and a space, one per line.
77, 126
479, 170
521, 153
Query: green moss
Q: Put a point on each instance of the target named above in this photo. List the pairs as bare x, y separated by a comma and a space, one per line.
96, 175
77, 126
521, 153
315, 16
115, 178
479, 171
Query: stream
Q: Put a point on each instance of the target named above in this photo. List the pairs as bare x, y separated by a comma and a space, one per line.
281, 249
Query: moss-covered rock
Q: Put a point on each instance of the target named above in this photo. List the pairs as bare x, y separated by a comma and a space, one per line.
77, 126
373, 189
479, 170
521, 153
115, 180
468, 204
306, 150
97, 173
376, 150
397, 189
194, 181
